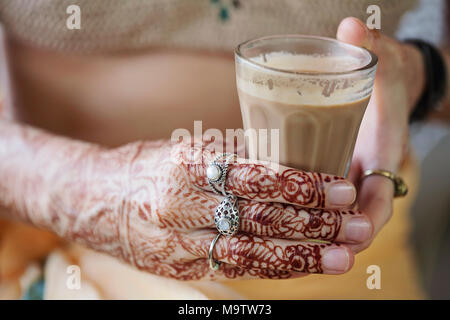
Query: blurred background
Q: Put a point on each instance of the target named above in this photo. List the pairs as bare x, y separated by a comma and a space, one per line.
431, 143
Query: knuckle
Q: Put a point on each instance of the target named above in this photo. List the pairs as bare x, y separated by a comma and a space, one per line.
240, 249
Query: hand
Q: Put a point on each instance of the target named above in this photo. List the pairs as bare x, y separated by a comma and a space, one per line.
149, 205
383, 137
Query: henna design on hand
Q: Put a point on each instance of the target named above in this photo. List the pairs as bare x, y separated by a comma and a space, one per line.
289, 222
249, 251
142, 203
254, 254
260, 182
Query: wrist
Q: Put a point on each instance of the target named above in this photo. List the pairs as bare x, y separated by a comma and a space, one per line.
85, 199
435, 80
415, 75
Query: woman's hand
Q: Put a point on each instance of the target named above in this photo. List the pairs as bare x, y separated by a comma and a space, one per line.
150, 205
383, 137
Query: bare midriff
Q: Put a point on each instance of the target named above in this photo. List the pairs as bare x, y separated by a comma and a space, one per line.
115, 99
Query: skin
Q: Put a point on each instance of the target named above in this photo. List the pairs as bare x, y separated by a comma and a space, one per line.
104, 175
148, 204
383, 137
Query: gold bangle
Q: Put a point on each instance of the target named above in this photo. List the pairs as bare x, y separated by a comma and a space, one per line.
400, 187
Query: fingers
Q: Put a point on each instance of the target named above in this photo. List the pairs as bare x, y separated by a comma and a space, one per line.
256, 181
291, 186
263, 253
198, 269
248, 251
354, 31
281, 220
286, 221
290, 222
375, 200
391, 53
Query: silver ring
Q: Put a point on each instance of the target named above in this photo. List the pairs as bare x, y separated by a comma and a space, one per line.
213, 263
226, 216
216, 173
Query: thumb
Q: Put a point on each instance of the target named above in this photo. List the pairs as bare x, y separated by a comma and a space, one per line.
354, 31
392, 55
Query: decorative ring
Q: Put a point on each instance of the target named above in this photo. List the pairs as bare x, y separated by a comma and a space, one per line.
226, 217
216, 173
213, 263
400, 187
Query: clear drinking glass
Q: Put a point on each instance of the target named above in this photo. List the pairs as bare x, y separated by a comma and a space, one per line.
314, 90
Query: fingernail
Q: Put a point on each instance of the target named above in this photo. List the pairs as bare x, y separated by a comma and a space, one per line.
336, 260
341, 193
358, 229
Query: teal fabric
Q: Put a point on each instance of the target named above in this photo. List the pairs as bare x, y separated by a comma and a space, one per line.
224, 8
35, 291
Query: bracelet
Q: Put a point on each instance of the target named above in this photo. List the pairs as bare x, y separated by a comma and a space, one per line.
435, 80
